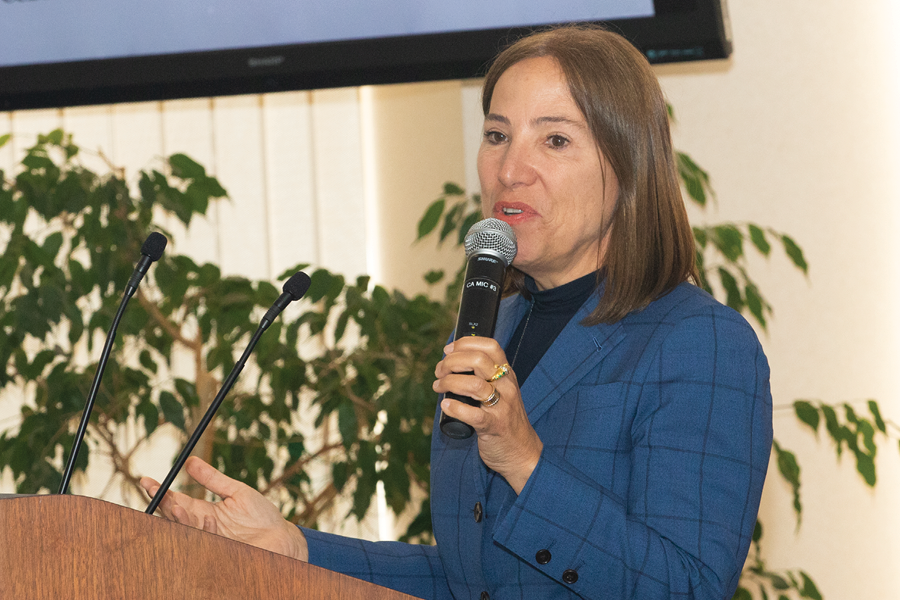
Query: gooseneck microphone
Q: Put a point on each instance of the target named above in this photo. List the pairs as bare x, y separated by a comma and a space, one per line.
151, 251
294, 289
490, 248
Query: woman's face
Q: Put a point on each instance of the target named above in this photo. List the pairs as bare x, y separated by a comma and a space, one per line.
542, 173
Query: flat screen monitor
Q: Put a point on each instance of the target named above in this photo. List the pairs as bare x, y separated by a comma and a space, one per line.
76, 52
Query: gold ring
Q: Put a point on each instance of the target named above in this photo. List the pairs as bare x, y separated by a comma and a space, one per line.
493, 399
501, 371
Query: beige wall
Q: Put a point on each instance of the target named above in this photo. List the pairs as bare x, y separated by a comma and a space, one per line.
416, 145
800, 131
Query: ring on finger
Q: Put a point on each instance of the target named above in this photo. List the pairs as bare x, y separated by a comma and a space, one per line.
493, 399
501, 371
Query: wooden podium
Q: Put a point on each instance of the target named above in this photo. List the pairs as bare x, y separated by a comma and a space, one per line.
77, 548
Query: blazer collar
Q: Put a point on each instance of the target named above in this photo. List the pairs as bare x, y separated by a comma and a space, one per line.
575, 352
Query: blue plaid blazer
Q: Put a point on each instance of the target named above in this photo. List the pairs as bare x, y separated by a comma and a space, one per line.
657, 432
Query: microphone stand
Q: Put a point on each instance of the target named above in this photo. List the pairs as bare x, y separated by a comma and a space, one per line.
204, 423
92, 396
293, 289
151, 251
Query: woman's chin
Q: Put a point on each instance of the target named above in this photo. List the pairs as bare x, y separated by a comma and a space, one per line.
523, 263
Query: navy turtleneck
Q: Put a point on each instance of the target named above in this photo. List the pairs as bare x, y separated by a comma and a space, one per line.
550, 311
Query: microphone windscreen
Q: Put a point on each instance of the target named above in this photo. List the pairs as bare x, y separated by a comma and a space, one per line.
297, 285
492, 236
154, 245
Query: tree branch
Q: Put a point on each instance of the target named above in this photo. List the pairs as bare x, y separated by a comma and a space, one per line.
298, 466
152, 309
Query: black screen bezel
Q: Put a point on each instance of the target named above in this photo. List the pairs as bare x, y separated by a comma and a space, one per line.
681, 30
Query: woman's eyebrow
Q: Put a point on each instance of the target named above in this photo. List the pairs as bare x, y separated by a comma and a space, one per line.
494, 117
567, 120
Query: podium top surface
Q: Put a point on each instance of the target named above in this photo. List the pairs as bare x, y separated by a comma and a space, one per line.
54, 546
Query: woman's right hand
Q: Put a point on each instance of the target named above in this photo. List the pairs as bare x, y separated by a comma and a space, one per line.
243, 514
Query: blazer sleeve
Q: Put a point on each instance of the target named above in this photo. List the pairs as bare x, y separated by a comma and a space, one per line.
700, 438
409, 568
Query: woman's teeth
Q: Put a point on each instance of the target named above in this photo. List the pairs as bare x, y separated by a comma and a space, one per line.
512, 211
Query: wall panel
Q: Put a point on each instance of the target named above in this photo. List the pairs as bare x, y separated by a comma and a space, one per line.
290, 180
337, 171
6, 152
242, 221
187, 128
91, 129
26, 125
136, 136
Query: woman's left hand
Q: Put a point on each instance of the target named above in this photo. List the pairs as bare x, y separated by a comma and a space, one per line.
507, 442
243, 514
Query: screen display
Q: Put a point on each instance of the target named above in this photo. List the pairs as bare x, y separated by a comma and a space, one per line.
56, 31
76, 52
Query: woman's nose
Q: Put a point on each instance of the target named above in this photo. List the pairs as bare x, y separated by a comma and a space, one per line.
516, 166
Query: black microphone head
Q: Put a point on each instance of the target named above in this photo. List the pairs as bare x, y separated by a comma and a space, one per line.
297, 285
154, 245
492, 236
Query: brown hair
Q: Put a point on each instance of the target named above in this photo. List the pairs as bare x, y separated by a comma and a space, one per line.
651, 247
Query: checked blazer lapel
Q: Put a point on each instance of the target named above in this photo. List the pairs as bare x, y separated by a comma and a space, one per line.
512, 309
574, 353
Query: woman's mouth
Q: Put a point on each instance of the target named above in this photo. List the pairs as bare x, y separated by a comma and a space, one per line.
512, 212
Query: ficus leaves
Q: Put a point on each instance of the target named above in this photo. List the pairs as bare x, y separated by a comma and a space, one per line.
365, 366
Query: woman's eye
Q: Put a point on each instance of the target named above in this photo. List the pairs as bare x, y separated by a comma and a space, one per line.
557, 141
494, 137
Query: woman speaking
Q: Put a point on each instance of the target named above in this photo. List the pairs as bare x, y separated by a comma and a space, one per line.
625, 432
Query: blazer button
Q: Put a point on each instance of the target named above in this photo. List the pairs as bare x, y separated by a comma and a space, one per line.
479, 513
570, 576
485, 596
542, 557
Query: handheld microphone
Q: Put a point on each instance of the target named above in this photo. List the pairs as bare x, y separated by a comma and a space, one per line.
293, 289
490, 248
151, 251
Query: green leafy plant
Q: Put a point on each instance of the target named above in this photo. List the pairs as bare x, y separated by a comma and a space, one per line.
783, 583
855, 432
358, 358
